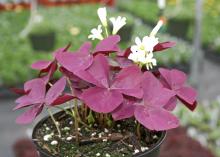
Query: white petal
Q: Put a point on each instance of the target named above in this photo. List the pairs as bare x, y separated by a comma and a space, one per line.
138, 41
149, 43
154, 62
112, 19
117, 23
134, 48
102, 13
133, 57
150, 55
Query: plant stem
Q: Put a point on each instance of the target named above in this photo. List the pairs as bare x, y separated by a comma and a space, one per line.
76, 121
85, 111
106, 31
138, 130
101, 118
75, 112
55, 122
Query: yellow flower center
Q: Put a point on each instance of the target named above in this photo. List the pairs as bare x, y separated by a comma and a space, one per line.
142, 47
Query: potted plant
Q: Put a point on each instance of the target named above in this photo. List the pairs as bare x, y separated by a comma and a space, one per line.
42, 37
117, 106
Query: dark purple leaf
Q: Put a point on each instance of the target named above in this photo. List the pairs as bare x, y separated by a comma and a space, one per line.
102, 100
97, 73
19, 91
74, 62
62, 99
40, 65
125, 110
175, 80
155, 118
55, 91
108, 45
29, 115
154, 93
164, 46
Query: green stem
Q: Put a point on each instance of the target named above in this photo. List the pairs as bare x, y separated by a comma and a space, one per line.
138, 131
106, 31
75, 112
55, 122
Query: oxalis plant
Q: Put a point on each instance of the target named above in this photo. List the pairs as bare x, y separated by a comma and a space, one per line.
107, 84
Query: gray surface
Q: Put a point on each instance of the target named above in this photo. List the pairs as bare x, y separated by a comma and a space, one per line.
10, 132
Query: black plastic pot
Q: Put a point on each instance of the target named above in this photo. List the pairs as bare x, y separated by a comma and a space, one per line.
125, 32
152, 152
179, 27
43, 42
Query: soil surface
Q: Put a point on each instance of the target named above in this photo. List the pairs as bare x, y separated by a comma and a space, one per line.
116, 141
177, 144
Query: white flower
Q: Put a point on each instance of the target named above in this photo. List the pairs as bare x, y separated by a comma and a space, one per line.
118, 23
102, 13
156, 28
143, 58
146, 45
149, 61
96, 33
136, 56
142, 52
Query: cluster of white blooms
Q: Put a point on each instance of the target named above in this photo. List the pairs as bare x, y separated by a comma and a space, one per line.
142, 52
118, 23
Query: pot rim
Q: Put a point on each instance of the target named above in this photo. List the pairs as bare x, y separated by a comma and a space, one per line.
47, 153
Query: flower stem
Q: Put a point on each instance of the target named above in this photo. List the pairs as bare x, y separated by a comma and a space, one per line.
106, 31
75, 112
55, 122
76, 120
138, 131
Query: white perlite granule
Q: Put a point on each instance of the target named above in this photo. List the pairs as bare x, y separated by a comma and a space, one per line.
54, 142
107, 155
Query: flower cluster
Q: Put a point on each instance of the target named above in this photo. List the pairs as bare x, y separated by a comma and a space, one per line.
142, 52
110, 85
118, 23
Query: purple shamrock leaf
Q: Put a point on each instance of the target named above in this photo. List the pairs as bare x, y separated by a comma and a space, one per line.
175, 80
151, 112
164, 46
108, 92
37, 98
108, 45
36, 88
125, 110
83, 58
29, 115
80, 60
48, 67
